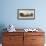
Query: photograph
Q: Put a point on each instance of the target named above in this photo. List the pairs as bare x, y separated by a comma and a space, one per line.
25, 14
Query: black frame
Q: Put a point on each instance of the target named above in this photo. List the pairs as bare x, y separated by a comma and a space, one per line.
18, 10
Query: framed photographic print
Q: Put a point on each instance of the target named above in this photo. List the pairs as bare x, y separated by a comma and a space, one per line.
25, 14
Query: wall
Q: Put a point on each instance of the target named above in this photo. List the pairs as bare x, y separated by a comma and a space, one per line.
9, 13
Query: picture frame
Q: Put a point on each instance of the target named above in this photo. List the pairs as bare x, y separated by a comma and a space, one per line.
25, 14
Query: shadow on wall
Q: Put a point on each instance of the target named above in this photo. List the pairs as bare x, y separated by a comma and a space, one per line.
2, 26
